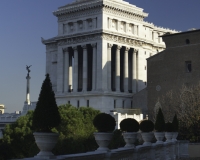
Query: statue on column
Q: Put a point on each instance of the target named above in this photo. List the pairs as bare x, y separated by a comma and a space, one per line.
28, 69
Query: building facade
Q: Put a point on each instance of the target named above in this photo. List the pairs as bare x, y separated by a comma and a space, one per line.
98, 58
174, 67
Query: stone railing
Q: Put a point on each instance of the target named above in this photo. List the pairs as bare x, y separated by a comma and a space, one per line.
166, 151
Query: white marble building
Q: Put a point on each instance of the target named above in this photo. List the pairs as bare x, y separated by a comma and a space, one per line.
98, 58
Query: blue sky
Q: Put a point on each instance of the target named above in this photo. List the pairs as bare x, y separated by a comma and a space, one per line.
24, 22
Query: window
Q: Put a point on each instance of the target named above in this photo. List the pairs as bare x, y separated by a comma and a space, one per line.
114, 103
188, 66
187, 41
78, 104
68, 102
88, 103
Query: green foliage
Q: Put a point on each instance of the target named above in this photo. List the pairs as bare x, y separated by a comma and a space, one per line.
175, 123
117, 140
129, 125
18, 140
169, 127
160, 122
75, 130
104, 122
146, 126
46, 115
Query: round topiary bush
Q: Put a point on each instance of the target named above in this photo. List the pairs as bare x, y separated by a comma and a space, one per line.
169, 127
129, 125
146, 126
104, 122
160, 122
175, 123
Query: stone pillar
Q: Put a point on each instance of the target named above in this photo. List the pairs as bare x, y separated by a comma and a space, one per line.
28, 102
94, 21
135, 29
94, 66
70, 73
60, 87
126, 69
84, 67
117, 69
134, 71
109, 66
75, 74
66, 69
153, 35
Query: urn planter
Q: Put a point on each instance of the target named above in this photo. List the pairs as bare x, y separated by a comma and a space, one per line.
174, 136
103, 140
147, 137
130, 138
168, 136
45, 142
159, 137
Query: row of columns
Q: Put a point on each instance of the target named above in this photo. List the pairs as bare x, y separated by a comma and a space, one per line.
125, 67
70, 78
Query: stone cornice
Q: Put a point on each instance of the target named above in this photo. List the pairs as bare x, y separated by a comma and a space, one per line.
113, 38
123, 9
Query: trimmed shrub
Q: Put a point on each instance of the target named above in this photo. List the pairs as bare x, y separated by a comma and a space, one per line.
169, 127
160, 122
46, 115
104, 122
175, 123
129, 125
146, 126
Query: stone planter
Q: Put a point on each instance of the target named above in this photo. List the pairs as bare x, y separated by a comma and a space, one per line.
174, 136
45, 142
103, 140
147, 137
159, 137
130, 138
168, 136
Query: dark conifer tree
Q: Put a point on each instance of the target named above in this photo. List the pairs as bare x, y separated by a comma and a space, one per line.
175, 123
160, 122
46, 115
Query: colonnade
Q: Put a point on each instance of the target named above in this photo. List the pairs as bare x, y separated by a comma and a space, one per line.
80, 68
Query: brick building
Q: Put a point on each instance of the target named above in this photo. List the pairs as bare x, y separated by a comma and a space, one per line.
177, 65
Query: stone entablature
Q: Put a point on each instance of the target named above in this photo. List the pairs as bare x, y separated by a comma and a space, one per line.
122, 7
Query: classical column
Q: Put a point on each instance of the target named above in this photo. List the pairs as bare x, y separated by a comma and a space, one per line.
70, 73
60, 67
126, 69
28, 87
117, 69
134, 71
75, 74
66, 69
94, 66
109, 66
84, 67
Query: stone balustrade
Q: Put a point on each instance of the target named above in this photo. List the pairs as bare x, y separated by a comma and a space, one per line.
165, 151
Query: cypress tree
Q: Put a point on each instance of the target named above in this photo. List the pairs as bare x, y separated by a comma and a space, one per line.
160, 122
175, 123
46, 115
